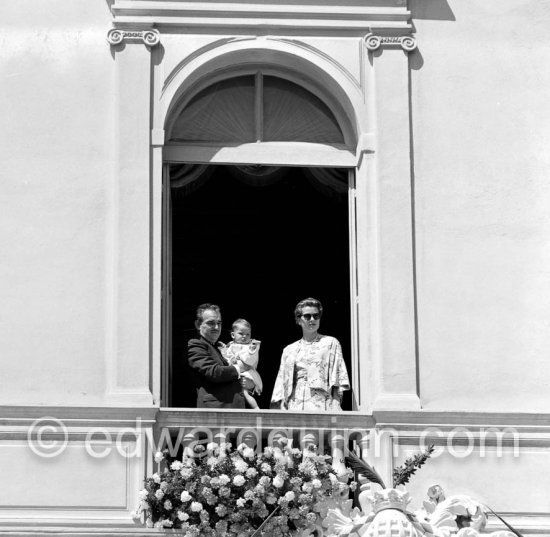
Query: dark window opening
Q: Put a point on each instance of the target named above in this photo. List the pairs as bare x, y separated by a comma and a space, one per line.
256, 240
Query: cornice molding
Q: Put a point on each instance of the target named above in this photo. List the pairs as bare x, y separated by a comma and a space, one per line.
328, 15
149, 37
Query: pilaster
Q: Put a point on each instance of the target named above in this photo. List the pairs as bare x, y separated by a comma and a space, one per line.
130, 353
388, 230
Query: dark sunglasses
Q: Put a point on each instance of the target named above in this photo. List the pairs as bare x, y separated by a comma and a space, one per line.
309, 316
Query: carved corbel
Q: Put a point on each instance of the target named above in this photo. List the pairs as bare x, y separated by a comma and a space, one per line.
149, 37
406, 42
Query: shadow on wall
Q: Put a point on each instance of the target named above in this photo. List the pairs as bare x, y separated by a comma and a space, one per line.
438, 10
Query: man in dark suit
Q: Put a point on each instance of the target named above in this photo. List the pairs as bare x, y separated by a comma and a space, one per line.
217, 383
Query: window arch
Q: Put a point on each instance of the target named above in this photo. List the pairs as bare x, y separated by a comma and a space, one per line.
256, 108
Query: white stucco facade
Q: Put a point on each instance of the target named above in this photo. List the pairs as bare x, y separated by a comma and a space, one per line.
449, 147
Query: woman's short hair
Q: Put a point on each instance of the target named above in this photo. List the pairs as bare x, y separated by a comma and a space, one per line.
307, 302
242, 322
200, 312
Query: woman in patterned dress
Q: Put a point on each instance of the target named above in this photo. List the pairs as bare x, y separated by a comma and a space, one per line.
312, 374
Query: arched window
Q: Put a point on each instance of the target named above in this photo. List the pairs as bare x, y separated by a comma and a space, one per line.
256, 108
258, 188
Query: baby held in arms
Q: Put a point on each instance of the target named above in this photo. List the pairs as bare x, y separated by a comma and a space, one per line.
244, 350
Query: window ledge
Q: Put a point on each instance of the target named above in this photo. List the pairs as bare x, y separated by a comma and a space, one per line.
262, 419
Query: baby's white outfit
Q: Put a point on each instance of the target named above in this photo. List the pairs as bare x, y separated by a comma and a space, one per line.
242, 352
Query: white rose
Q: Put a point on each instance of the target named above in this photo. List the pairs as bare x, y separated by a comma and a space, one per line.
251, 472
278, 481
196, 507
183, 516
240, 465
168, 505
185, 496
143, 494
239, 480
156, 478
186, 473
176, 465
317, 483
159, 456
289, 496
159, 494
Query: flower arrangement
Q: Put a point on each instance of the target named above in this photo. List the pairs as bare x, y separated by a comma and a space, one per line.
217, 491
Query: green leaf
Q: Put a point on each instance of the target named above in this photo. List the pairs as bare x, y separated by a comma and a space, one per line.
361, 467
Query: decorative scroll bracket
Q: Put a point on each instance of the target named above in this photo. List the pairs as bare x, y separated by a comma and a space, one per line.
406, 42
150, 37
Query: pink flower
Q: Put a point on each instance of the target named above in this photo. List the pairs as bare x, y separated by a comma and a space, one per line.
221, 526
224, 492
221, 510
